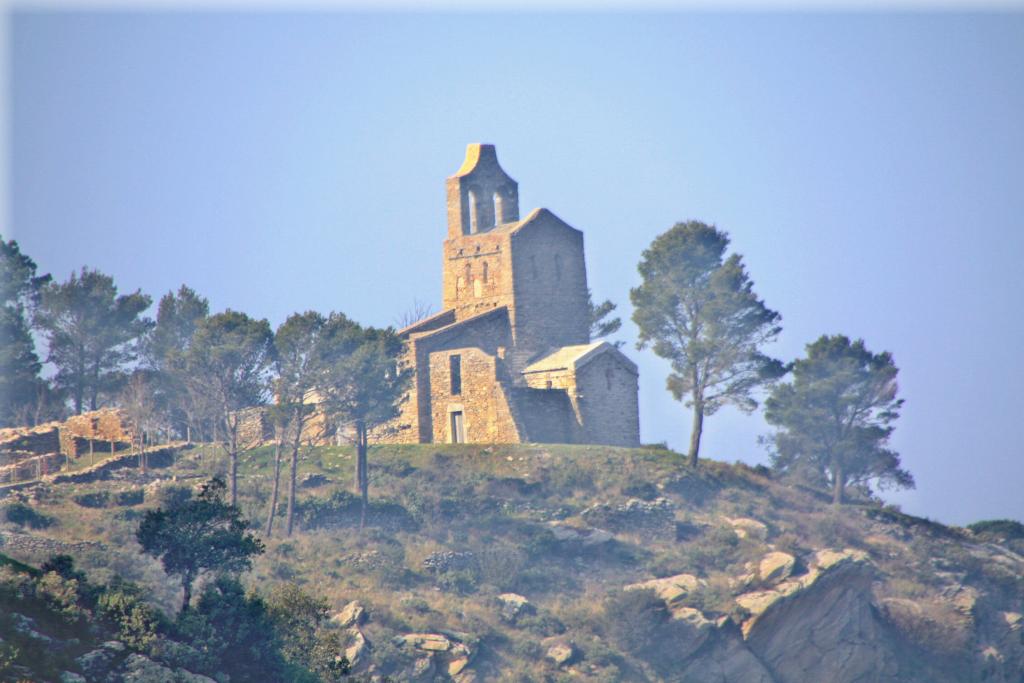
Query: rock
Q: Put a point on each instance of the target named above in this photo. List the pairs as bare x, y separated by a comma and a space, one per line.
512, 605
95, 663
423, 669
746, 527
352, 614
559, 650
27, 627
775, 566
431, 642
141, 669
670, 588
113, 646
456, 666
587, 536
692, 630
71, 677
822, 626
356, 648
1013, 620
724, 659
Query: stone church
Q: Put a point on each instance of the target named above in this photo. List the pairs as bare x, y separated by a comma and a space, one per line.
509, 359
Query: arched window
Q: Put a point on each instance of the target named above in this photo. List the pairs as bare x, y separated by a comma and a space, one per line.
499, 213
485, 272
469, 274
472, 212
558, 266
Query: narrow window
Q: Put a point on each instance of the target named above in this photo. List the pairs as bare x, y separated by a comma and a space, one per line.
485, 272
478, 288
458, 427
499, 214
533, 266
608, 374
558, 266
548, 384
455, 372
472, 212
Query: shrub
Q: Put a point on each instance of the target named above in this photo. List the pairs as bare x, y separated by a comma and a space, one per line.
135, 621
632, 619
998, 528
24, 515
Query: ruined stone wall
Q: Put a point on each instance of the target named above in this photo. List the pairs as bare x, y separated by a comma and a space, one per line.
550, 282
606, 402
482, 399
27, 441
105, 431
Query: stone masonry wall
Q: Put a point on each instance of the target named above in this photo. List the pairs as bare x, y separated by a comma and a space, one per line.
482, 400
550, 286
606, 402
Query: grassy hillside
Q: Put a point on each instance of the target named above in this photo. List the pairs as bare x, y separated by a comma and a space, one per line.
566, 528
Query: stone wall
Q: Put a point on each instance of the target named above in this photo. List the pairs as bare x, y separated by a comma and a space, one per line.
482, 399
606, 402
550, 285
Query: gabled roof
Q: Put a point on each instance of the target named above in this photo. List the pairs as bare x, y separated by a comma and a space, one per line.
533, 217
455, 326
433, 322
575, 357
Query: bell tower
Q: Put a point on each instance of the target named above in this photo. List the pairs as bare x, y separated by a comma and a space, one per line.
480, 194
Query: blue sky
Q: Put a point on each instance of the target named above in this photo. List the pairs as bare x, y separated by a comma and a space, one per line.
867, 166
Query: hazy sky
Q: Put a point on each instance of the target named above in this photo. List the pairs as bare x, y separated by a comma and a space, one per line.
867, 166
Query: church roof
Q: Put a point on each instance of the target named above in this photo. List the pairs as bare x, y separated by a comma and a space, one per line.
575, 357
531, 217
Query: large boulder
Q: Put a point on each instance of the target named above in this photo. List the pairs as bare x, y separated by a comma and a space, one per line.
822, 626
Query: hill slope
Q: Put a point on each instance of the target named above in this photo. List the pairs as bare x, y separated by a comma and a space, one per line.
592, 563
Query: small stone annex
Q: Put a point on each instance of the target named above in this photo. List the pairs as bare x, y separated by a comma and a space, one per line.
509, 359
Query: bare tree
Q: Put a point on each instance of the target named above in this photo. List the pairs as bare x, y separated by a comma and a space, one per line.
417, 311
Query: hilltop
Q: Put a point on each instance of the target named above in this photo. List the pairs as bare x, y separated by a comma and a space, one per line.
551, 562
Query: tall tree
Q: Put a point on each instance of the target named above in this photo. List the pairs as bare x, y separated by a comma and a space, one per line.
698, 310
226, 366
92, 334
20, 383
177, 318
199, 535
836, 416
361, 384
601, 325
298, 345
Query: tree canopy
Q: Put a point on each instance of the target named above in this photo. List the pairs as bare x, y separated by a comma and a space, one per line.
836, 416
226, 365
699, 311
91, 333
198, 535
361, 383
21, 388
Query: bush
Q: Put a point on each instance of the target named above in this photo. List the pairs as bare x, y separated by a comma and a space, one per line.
998, 528
632, 619
95, 499
135, 621
24, 515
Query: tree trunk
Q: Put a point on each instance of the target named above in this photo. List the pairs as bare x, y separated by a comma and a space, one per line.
233, 471
697, 429
362, 472
837, 484
186, 598
291, 488
277, 486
